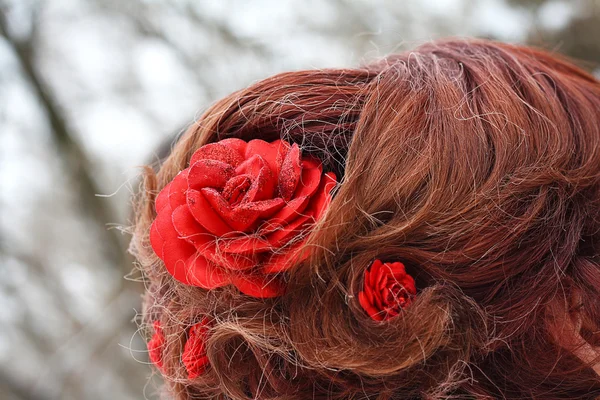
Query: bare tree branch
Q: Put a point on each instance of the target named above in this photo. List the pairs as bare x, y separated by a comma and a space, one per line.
59, 298
75, 159
228, 35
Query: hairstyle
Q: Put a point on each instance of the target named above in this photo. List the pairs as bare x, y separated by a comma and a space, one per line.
475, 163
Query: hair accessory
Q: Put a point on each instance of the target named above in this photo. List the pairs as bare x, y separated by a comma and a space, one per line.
238, 213
387, 289
156, 346
194, 353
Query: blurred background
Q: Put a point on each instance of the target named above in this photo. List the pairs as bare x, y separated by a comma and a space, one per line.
90, 90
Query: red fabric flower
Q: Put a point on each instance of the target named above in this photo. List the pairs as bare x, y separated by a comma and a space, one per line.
194, 353
235, 215
386, 290
156, 346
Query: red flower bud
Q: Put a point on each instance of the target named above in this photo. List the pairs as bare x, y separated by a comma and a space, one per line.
387, 289
194, 353
156, 346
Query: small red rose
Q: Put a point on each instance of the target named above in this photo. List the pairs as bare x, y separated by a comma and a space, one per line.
194, 353
387, 289
156, 346
238, 214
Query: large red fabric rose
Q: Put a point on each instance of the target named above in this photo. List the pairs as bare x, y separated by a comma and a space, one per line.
387, 289
194, 353
238, 213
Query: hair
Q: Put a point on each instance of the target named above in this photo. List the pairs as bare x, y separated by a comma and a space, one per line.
476, 164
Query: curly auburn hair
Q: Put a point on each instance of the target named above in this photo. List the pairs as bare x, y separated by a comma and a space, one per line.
475, 163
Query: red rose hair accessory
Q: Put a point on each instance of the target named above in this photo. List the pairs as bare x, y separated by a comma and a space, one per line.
156, 346
194, 353
387, 289
234, 216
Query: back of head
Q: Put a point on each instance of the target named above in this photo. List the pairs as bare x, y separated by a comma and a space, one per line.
477, 165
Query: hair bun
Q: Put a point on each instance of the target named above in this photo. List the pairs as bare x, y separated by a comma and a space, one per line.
469, 169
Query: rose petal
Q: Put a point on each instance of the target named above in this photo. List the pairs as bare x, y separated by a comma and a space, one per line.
268, 152
367, 278
310, 162
209, 173
228, 261
156, 240
245, 244
196, 367
214, 252
162, 199
282, 236
206, 243
372, 275
321, 199
251, 166
242, 217
373, 312
263, 179
205, 214
200, 272
291, 210
396, 269
277, 265
376, 314
156, 345
236, 188
398, 274
238, 218
290, 172
188, 228
176, 255
236, 144
265, 208
259, 286
377, 301
382, 278
310, 178
164, 225
177, 189
386, 294
175, 252
369, 294
363, 301
262, 188
283, 150
218, 152
286, 258
182, 259
410, 286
